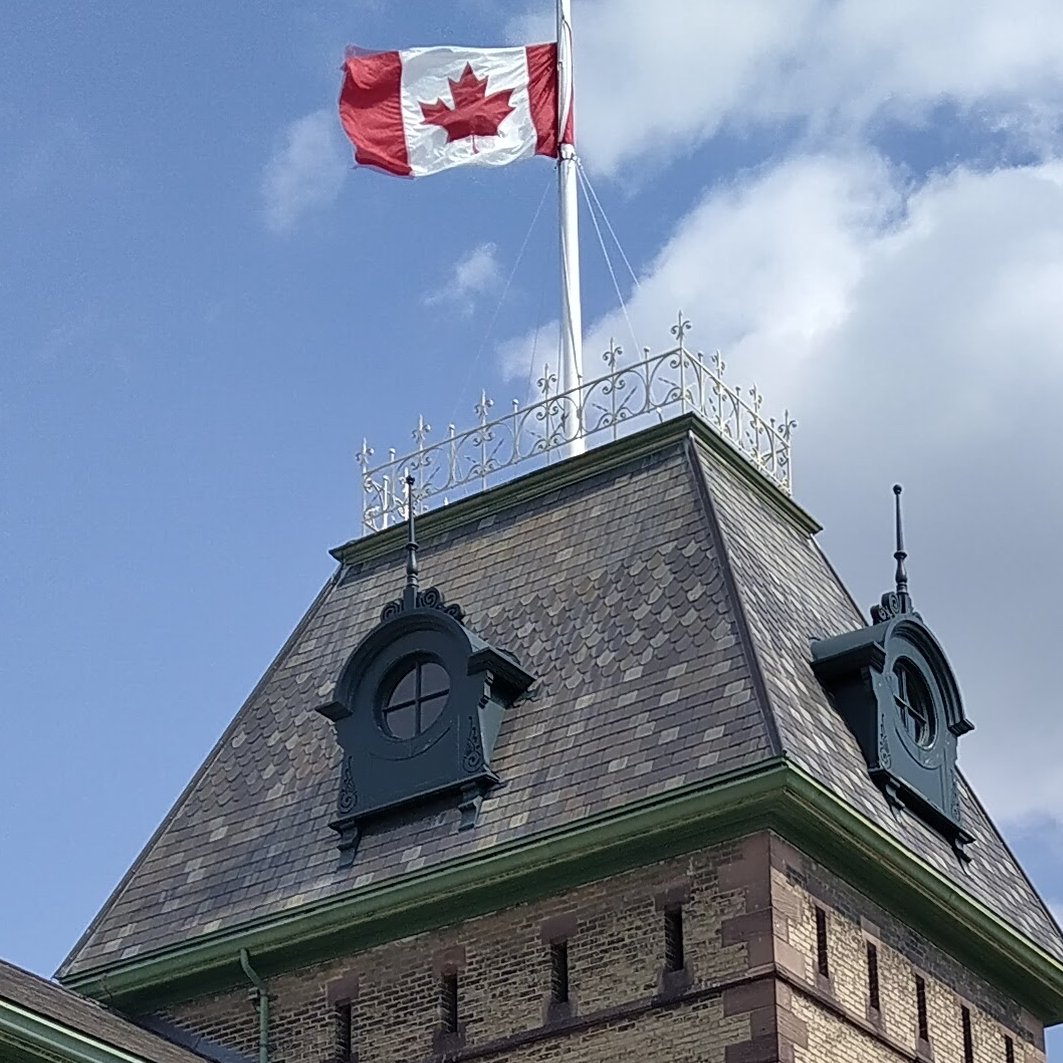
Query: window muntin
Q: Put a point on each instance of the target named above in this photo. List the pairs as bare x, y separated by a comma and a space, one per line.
416, 699
915, 704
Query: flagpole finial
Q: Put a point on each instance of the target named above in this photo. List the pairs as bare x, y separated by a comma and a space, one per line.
412, 570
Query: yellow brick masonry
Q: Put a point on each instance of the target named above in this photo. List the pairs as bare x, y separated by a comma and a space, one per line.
833, 1040
841, 1028
750, 993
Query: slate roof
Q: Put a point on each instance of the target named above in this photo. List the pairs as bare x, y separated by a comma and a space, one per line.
792, 597
86, 1017
666, 606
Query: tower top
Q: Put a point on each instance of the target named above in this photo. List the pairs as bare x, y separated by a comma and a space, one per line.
632, 394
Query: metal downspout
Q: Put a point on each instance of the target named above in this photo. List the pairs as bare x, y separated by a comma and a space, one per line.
263, 1006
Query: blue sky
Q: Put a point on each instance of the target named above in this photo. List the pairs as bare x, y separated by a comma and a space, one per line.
204, 308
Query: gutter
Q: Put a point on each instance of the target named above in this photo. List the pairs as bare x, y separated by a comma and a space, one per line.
263, 1006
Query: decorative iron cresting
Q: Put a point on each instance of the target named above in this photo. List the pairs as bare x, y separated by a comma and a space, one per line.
626, 398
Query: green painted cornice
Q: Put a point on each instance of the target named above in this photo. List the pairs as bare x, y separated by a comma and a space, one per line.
829, 829
777, 796
479, 883
542, 481
25, 1035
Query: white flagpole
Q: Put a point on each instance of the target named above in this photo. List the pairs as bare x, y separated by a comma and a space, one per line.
571, 312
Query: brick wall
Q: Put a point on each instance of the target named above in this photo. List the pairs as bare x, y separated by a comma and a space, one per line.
748, 990
836, 1011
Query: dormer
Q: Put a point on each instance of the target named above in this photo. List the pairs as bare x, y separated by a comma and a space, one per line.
893, 685
417, 709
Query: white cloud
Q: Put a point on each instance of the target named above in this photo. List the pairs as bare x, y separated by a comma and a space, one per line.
764, 266
913, 321
472, 276
306, 171
524, 360
947, 372
918, 333
657, 79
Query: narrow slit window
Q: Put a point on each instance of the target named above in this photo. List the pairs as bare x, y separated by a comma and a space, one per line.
822, 962
872, 977
674, 959
920, 1004
1009, 1050
968, 1037
559, 972
448, 1002
344, 1032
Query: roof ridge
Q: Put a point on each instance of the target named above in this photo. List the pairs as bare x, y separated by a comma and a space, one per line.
977, 801
123, 883
858, 612
745, 634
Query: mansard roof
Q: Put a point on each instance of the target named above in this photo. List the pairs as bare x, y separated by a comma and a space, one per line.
38, 1016
664, 595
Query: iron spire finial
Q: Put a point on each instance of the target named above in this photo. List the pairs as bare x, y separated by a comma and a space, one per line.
897, 602
900, 555
412, 595
412, 571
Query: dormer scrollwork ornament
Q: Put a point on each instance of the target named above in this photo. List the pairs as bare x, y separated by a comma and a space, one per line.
429, 598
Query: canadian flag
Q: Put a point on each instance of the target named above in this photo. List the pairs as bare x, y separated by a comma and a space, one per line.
424, 110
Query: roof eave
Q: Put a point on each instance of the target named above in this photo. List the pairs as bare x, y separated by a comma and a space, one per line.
776, 795
869, 858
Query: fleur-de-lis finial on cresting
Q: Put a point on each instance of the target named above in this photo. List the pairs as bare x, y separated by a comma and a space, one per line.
681, 328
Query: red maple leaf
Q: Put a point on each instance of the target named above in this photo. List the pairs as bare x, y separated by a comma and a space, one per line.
474, 114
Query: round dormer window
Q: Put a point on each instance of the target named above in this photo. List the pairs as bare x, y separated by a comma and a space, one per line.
418, 695
915, 704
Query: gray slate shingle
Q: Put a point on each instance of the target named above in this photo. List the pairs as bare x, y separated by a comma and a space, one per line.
791, 596
613, 593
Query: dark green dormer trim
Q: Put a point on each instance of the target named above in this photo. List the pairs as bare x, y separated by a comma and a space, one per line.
449, 730
417, 708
